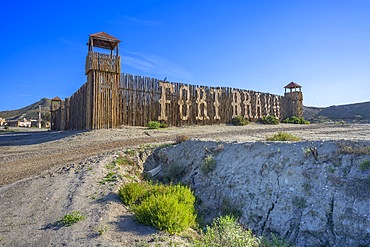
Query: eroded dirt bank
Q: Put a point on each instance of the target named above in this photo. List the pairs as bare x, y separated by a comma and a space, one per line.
278, 187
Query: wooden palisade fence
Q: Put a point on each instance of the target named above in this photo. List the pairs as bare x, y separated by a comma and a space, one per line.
110, 99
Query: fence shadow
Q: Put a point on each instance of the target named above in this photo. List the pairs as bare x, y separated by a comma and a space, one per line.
22, 138
127, 221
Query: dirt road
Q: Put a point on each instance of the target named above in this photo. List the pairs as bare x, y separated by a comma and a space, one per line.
25, 154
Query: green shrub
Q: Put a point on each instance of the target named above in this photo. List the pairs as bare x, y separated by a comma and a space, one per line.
131, 193
228, 208
156, 125
296, 120
110, 177
226, 231
208, 164
169, 208
282, 136
239, 121
130, 152
275, 241
364, 165
172, 172
125, 161
269, 120
71, 218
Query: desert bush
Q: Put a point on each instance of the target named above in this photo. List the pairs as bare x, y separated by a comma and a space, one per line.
296, 120
169, 208
282, 136
181, 138
364, 165
226, 231
124, 161
228, 208
156, 125
130, 152
353, 148
110, 177
71, 218
275, 241
269, 120
172, 172
131, 193
239, 121
208, 164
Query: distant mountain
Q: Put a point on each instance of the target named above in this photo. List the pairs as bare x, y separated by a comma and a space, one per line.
358, 112
29, 112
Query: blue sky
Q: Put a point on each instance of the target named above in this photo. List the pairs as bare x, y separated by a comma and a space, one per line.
260, 45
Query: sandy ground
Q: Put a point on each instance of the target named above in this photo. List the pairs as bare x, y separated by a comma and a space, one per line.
45, 175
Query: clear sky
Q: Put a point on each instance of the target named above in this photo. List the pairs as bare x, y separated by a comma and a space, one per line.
260, 45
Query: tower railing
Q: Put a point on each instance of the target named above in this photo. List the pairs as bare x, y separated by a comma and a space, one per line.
102, 62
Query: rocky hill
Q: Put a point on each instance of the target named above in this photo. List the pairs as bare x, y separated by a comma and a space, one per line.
359, 112
29, 112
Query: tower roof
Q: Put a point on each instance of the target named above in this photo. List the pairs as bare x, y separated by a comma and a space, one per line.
103, 40
56, 99
293, 85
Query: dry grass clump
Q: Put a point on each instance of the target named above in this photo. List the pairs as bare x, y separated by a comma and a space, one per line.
353, 148
269, 119
282, 136
181, 138
296, 120
239, 121
71, 218
364, 165
226, 231
208, 164
156, 125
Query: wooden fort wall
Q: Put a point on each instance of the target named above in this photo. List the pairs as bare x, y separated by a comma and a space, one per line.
110, 99
136, 100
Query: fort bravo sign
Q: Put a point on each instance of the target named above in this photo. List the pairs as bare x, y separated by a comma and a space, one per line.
110, 98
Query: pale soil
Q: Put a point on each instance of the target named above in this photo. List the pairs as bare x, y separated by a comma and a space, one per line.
44, 175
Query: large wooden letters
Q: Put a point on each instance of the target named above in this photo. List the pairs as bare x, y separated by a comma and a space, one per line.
237, 109
187, 102
163, 101
201, 101
217, 93
252, 105
258, 106
247, 105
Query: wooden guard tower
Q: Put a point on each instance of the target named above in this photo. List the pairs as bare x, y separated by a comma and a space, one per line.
293, 100
103, 78
55, 110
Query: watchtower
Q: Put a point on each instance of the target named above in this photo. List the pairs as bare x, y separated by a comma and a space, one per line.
55, 113
293, 100
103, 78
